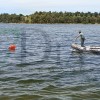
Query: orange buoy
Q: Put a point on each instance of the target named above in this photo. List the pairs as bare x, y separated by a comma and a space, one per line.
12, 47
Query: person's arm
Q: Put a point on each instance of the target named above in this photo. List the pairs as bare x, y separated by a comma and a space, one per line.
77, 37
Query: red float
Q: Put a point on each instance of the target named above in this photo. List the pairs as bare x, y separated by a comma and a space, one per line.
12, 47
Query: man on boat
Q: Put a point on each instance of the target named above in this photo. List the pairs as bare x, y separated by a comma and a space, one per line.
82, 38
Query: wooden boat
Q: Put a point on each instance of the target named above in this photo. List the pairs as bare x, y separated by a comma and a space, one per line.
93, 49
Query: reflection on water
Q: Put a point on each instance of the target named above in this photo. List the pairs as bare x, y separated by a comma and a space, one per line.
79, 58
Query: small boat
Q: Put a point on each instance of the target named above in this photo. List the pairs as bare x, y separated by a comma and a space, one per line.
93, 49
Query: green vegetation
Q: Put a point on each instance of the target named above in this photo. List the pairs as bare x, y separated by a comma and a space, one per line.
52, 17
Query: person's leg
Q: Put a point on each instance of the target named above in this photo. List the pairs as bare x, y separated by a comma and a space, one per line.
82, 42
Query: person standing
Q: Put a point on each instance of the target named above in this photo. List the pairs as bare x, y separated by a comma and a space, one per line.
82, 38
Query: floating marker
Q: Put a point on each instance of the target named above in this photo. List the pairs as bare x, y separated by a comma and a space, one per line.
12, 47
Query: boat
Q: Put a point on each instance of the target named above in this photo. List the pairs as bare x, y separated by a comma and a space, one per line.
93, 49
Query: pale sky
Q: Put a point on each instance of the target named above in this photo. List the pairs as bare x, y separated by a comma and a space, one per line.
30, 6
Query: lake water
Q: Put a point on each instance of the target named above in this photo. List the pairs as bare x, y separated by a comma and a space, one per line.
44, 66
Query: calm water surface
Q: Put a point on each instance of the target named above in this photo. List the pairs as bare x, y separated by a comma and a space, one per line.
44, 67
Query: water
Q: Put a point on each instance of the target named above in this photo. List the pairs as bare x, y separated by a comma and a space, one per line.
44, 67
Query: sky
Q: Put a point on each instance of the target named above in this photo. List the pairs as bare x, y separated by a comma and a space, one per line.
27, 7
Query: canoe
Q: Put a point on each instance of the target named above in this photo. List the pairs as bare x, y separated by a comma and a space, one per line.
93, 49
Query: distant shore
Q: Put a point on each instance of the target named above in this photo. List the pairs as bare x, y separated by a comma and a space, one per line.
52, 18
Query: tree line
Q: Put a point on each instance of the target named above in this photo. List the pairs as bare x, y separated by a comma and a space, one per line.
52, 17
